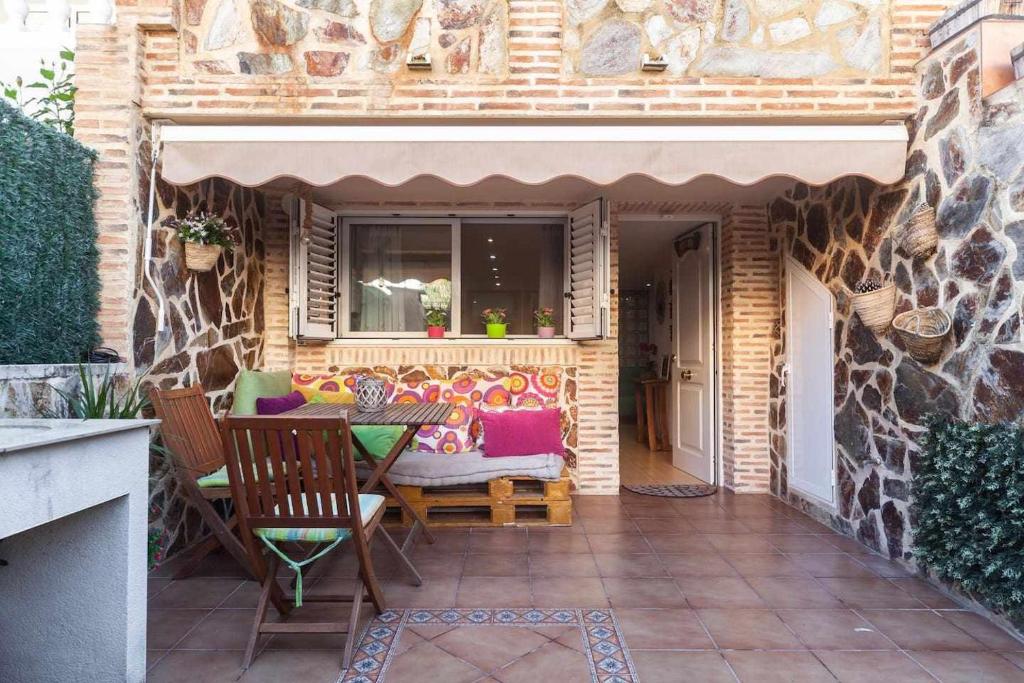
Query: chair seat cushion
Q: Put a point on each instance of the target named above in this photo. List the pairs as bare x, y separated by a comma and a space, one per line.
369, 503
214, 479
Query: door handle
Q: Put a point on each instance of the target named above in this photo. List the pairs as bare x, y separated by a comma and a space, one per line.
686, 375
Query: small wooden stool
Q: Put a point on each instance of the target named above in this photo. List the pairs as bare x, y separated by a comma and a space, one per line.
652, 411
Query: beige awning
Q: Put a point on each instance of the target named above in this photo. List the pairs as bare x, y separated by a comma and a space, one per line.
466, 155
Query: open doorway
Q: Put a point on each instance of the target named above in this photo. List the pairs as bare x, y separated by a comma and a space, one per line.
668, 367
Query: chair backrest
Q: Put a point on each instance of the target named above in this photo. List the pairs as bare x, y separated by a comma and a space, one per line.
188, 429
286, 472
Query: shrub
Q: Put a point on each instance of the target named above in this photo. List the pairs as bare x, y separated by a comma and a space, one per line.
969, 510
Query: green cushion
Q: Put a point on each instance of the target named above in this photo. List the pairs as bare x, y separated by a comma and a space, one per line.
378, 439
214, 479
253, 384
369, 503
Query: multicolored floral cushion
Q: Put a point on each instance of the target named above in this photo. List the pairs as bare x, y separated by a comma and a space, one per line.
455, 435
325, 388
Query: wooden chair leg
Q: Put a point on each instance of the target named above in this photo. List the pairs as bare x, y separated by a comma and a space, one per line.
353, 625
269, 582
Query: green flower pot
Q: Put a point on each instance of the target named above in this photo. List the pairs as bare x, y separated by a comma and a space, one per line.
496, 330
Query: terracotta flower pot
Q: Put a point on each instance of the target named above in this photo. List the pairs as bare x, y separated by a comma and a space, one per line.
201, 257
496, 330
546, 332
435, 331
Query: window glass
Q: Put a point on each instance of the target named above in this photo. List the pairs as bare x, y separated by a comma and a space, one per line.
390, 267
516, 266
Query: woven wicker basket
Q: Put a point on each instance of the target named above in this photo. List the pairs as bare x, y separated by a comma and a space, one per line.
919, 237
201, 257
923, 332
876, 308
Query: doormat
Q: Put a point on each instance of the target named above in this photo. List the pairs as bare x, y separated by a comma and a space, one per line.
602, 650
673, 490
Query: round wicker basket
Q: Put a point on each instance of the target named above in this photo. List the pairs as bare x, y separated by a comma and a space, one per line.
919, 237
876, 308
201, 257
923, 332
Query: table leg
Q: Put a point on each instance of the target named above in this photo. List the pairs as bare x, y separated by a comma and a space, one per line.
379, 477
666, 439
652, 423
638, 398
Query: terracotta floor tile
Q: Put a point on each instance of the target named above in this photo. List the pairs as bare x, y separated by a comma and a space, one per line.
618, 543
558, 663
155, 585
445, 543
440, 567
925, 592
399, 594
496, 565
663, 525
498, 541
662, 629
622, 525
832, 566
882, 566
616, 565
969, 667
870, 593
778, 667
724, 592
477, 591
834, 629
747, 629
675, 667
792, 592
802, 543
983, 630
678, 543
704, 563
563, 565
720, 526
559, 544
651, 510
921, 630
198, 667
579, 592
426, 661
740, 543
223, 629
778, 525
490, 647
765, 565
196, 593
643, 593
165, 627
872, 667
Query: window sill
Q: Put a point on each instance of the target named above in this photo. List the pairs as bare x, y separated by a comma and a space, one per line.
449, 342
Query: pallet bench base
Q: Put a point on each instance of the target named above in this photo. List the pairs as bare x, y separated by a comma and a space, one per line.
506, 501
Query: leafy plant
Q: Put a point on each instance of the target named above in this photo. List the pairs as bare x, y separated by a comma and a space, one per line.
969, 507
203, 228
437, 295
100, 400
436, 317
544, 317
50, 100
494, 316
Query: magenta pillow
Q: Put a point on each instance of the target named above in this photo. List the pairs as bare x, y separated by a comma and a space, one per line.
276, 405
522, 432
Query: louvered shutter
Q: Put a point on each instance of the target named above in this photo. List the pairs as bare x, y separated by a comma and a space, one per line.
313, 293
588, 255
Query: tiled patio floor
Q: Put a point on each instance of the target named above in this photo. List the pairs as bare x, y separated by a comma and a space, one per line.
717, 589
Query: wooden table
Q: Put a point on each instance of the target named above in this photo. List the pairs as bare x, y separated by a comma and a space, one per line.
412, 416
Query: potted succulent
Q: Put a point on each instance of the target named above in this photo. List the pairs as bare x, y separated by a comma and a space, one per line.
545, 319
494, 319
205, 237
437, 320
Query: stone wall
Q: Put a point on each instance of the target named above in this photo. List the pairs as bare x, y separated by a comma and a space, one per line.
32, 390
965, 160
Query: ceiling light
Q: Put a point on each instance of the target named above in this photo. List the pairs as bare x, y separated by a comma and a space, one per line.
495, 269
648, 284
490, 239
497, 284
493, 256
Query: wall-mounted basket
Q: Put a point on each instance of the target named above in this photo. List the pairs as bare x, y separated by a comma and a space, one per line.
923, 332
875, 308
919, 237
201, 257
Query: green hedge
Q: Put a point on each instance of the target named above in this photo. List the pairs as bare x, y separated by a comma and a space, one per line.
969, 510
49, 286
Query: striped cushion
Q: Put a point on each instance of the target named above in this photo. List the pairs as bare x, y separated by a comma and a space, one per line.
369, 503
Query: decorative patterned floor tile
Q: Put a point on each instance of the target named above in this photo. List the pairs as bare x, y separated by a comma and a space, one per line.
600, 634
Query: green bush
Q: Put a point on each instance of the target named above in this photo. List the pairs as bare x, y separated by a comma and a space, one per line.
49, 286
969, 510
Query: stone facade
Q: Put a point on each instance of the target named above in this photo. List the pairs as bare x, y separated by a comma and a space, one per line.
32, 390
964, 160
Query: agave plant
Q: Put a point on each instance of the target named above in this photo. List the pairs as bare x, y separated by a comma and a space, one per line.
98, 400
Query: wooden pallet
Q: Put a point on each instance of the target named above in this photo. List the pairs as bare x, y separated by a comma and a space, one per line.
506, 501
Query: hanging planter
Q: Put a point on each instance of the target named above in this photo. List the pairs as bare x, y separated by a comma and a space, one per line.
923, 332
875, 304
205, 238
919, 237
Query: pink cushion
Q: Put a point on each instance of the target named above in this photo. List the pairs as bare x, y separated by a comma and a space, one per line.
279, 404
522, 432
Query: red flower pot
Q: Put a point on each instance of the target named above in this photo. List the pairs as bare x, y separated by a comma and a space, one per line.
435, 331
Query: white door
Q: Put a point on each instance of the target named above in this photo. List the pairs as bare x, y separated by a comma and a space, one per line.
692, 373
808, 379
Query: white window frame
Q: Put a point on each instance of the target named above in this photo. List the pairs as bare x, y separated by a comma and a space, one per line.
345, 223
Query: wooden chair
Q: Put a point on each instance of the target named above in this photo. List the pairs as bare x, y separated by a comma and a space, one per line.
313, 499
190, 434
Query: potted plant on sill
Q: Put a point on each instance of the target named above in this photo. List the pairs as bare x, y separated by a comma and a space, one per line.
494, 319
205, 237
545, 319
437, 300
437, 321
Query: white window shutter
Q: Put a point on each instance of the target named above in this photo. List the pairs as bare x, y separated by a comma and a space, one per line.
313, 289
589, 277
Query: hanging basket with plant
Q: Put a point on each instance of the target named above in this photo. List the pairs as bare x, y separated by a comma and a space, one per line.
923, 332
205, 237
875, 304
919, 238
